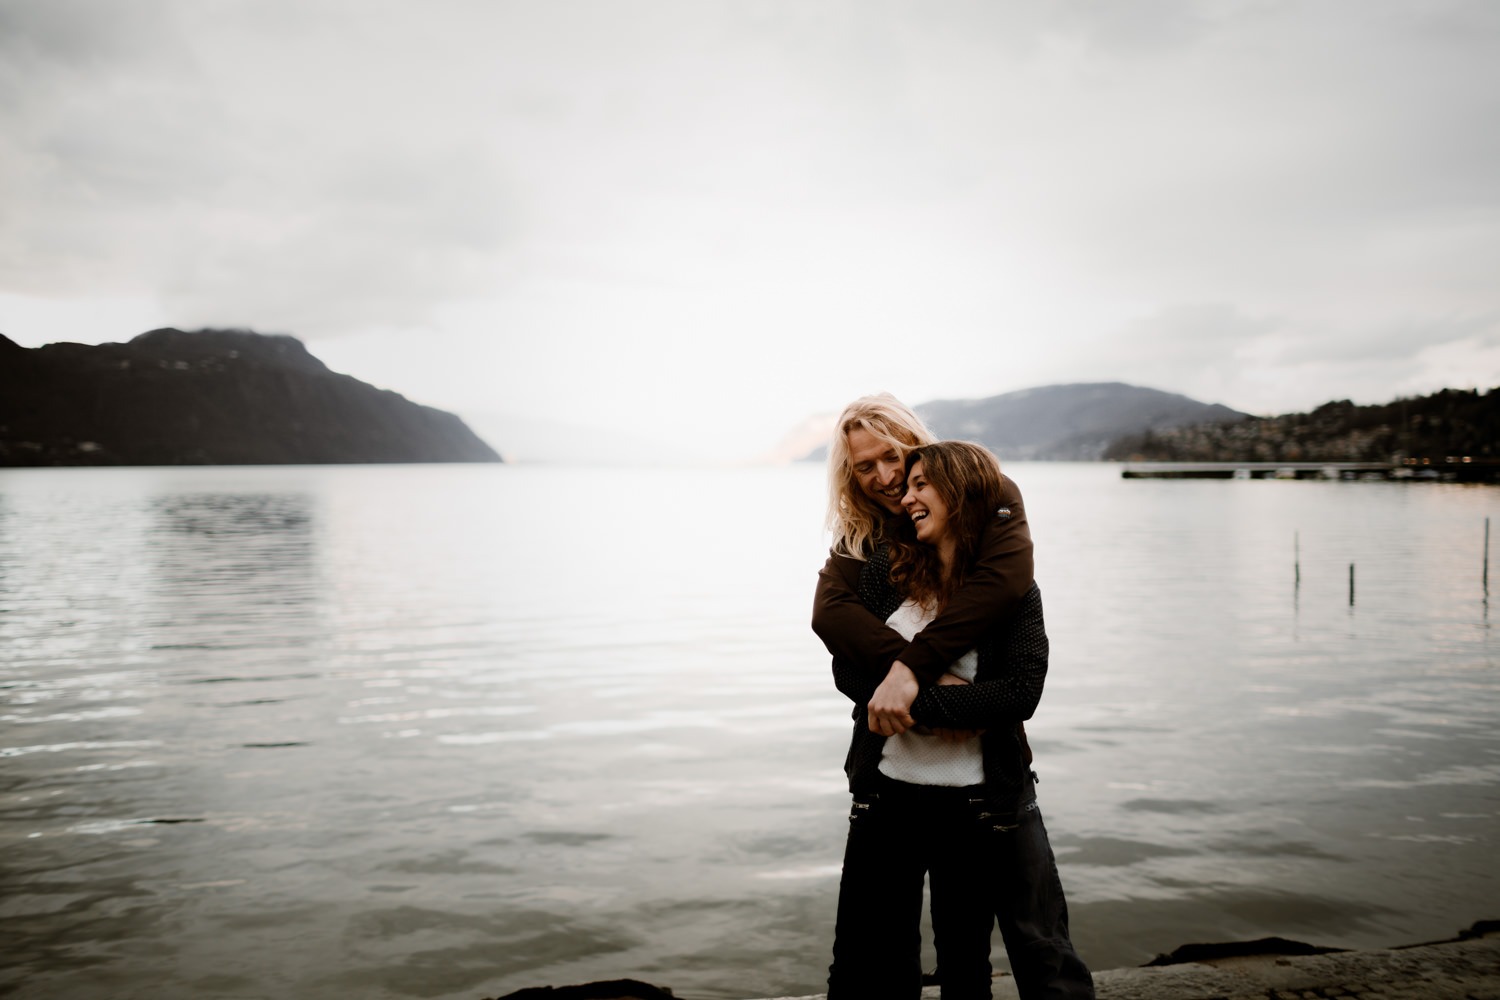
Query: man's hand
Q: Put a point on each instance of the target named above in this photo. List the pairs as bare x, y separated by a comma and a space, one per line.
890, 707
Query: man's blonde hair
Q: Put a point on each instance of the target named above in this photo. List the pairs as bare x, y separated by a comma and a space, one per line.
855, 520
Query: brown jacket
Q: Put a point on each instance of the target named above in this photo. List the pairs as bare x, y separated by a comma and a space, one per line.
992, 593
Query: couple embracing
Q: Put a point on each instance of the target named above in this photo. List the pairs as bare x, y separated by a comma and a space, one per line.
928, 606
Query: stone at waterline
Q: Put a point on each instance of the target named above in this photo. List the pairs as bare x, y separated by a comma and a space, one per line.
611, 989
1238, 949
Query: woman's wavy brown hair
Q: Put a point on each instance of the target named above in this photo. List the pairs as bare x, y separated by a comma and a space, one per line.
967, 478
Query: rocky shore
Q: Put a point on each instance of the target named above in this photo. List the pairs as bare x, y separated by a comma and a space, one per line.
1464, 968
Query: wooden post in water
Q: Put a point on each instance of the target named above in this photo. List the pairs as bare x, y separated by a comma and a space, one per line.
1297, 558
1486, 555
1351, 585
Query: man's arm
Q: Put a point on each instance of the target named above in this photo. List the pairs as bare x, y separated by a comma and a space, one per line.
991, 593
884, 702
857, 684
850, 630
862, 643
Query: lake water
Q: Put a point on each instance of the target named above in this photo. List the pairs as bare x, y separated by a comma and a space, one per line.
452, 731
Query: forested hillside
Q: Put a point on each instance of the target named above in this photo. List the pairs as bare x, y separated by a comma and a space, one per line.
1450, 424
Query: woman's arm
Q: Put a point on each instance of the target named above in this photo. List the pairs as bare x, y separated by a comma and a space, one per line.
1004, 699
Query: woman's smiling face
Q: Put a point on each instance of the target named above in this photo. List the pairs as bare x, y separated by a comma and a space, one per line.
928, 512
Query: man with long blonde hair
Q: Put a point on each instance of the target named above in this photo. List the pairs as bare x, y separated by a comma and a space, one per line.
876, 935
866, 479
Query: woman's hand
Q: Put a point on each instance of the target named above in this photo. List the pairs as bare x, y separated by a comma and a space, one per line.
955, 735
890, 706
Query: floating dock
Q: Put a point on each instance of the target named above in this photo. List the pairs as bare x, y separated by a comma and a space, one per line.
1457, 470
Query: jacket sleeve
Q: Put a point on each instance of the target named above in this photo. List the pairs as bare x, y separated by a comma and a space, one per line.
850, 630
857, 684
1009, 693
992, 593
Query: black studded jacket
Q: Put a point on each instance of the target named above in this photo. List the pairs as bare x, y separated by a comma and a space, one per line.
1004, 694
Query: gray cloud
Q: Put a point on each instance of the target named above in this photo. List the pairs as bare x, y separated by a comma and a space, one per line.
1236, 197
1220, 353
275, 197
1399, 343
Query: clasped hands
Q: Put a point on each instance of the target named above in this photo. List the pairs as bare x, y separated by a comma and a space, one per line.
890, 707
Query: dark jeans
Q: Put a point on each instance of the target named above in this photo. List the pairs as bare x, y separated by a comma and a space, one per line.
979, 871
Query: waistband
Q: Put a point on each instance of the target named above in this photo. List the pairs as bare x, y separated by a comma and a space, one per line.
894, 788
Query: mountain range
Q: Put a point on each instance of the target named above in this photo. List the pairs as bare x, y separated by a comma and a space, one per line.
211, 397
1066, 422
234, 397
1074, 422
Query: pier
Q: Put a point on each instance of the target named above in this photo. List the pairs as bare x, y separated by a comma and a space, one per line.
1451, 470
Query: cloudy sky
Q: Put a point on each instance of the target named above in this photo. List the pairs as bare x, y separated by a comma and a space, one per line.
697, 222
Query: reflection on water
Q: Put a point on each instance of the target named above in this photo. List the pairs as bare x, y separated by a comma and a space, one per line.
448, 732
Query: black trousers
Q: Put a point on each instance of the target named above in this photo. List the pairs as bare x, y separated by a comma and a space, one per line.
980, 871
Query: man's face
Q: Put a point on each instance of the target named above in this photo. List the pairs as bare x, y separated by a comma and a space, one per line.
879, 470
